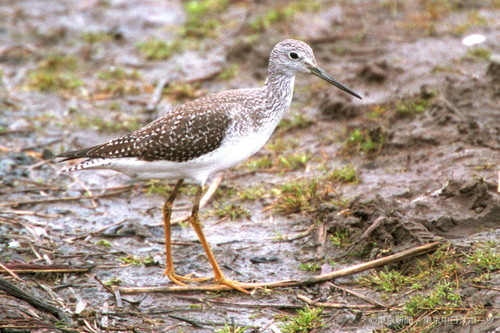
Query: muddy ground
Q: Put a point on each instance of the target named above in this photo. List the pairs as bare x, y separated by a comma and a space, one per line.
420, 153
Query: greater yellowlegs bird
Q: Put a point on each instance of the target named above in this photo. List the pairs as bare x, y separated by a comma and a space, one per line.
205, 136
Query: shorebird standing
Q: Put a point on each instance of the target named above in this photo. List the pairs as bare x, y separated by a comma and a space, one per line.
205, 136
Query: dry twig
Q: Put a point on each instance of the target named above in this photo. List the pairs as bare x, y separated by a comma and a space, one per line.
156, 97
359, 295
335, 305
373, 226
88, 235
14, 291
483, 287
11, 273
292, 283
81, 197
296, 236
33, 268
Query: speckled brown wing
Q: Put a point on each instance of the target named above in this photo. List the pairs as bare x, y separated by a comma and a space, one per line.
182, 134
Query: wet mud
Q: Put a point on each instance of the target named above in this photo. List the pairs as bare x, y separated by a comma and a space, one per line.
424, 144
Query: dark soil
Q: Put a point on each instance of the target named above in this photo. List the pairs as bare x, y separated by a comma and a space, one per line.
424, 142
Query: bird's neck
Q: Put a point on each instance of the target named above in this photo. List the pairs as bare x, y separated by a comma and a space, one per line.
279, 92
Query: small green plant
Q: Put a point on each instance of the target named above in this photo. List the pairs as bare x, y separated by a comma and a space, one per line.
377, 112
252, 193
55, 72
103, 242
417, 286
232, 211
479, 52
119, 82
229, 72
485, 258
224, 192
341, 238
363, 141
278, 236
310, 266
387, 280
136, 260
114, 106
231, 329
279, 145
304, 321
363, 250
155, 49
281, 14
61, 324
118, 89
156, 187
53, 81
295, 161
340, 201
262, 23
200, 17
118, 73
295, 121
59, 62
407, 108
114, 281
444, 69
296, 196
444, 264
256, 164
443, 295
96, 37
346, 174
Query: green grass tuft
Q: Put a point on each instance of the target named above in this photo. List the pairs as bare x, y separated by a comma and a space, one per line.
201, 20
296, 196
480, 52
363, 141
155, 49
136, 260
232, 212
55, 72
387, 280
485, 258
346, 174
442, 295
341, 238
294, 162
306, 320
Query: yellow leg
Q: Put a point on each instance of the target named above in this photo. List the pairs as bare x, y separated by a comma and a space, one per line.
195, 222
167, 213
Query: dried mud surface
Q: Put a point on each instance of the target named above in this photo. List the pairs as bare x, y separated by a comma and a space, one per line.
433, 175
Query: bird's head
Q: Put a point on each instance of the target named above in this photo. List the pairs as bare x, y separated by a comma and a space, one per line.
291, 56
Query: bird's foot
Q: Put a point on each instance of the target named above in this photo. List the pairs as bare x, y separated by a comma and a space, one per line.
232, 284
180, 279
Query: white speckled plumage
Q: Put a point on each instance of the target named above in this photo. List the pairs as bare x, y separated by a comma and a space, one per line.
211, 133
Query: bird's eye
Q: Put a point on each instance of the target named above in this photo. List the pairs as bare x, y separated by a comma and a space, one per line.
293, 55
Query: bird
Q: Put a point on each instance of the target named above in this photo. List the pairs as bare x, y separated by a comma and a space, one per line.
204, 136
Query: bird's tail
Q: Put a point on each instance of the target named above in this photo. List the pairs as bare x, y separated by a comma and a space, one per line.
91, 163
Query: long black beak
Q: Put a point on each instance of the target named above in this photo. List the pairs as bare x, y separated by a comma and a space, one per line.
320, 72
